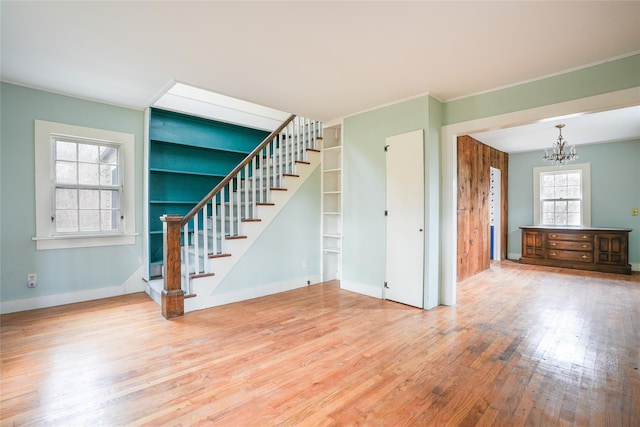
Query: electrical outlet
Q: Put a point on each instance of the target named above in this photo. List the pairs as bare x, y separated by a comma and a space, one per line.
32, 280
305, 263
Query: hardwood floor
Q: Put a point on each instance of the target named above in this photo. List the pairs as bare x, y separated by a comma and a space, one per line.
525, 345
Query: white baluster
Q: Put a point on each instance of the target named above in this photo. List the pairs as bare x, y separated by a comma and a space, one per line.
223, 215
196, 244
205, 237
283, 141
247, 202
214, 225
238, 198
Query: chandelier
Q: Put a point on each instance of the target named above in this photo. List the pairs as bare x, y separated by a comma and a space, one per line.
558, 155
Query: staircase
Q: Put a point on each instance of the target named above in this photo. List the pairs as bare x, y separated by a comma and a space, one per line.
202, 247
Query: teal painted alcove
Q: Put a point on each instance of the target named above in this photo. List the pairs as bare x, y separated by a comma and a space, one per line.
188, 156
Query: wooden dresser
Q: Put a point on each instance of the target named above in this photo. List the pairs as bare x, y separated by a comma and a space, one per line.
597, 249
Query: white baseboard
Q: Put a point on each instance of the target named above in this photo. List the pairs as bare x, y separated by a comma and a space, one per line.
362, 288
214, 300
133, 284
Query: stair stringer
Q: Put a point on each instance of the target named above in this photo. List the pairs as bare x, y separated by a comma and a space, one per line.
203, 287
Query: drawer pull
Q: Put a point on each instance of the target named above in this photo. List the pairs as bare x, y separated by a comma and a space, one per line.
552, 243
584, 257
585, 237
552, 254
585, 246
554, 235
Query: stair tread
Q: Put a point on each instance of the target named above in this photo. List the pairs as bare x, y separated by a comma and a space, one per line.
251, 220
303, 162
196, 276
265, 204
291, 175
235, 237
219, 255
277, 189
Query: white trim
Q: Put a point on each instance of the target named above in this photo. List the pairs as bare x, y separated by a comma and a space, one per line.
45, 239
607, 101
585, 179
132, 285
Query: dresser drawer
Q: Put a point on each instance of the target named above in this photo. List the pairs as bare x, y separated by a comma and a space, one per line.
570, 245
577, 256
581, 237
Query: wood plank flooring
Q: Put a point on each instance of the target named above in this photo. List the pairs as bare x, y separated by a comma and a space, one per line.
525, 345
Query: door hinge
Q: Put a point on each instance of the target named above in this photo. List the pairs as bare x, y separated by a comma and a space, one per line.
386, 286
386, 213
386, 148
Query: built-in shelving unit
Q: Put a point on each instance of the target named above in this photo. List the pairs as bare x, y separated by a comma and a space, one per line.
188, 156
332, 204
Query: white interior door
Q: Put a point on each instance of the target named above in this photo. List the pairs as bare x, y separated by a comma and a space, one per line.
405, 218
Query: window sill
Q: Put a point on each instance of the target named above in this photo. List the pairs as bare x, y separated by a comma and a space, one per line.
85, 241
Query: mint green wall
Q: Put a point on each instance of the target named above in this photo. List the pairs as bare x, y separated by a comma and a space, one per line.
273, 259
62, 270
364, 239
615, 190
603, 78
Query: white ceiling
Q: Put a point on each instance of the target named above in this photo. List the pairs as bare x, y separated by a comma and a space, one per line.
323, 60
607, 126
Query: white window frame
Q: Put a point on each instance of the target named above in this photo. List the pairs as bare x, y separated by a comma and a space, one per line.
46, 237
585, 173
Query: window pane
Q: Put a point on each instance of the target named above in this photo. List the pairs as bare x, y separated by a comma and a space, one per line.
561, 192
109, 155
88, 174
573, 206
561, 206
66, 221
573, 178
89, 220
547, 218
548, 207
110, 220
66, 173
109, 199
560, 218
66, 198
548, 192
65, 150
89, 199
88, 153
573, 219
573, 192
108, 175
561, 179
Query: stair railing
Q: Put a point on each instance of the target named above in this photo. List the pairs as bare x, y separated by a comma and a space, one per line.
189, 241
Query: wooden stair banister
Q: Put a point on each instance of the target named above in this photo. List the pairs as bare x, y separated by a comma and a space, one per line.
247, 186
236, 170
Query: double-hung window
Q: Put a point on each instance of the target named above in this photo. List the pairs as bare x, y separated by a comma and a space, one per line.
84, 186
561, 195
88, 188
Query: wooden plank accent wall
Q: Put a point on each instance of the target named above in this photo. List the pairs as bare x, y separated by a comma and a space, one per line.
474, 241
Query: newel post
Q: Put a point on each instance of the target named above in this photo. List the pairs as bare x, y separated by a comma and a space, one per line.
172, 294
